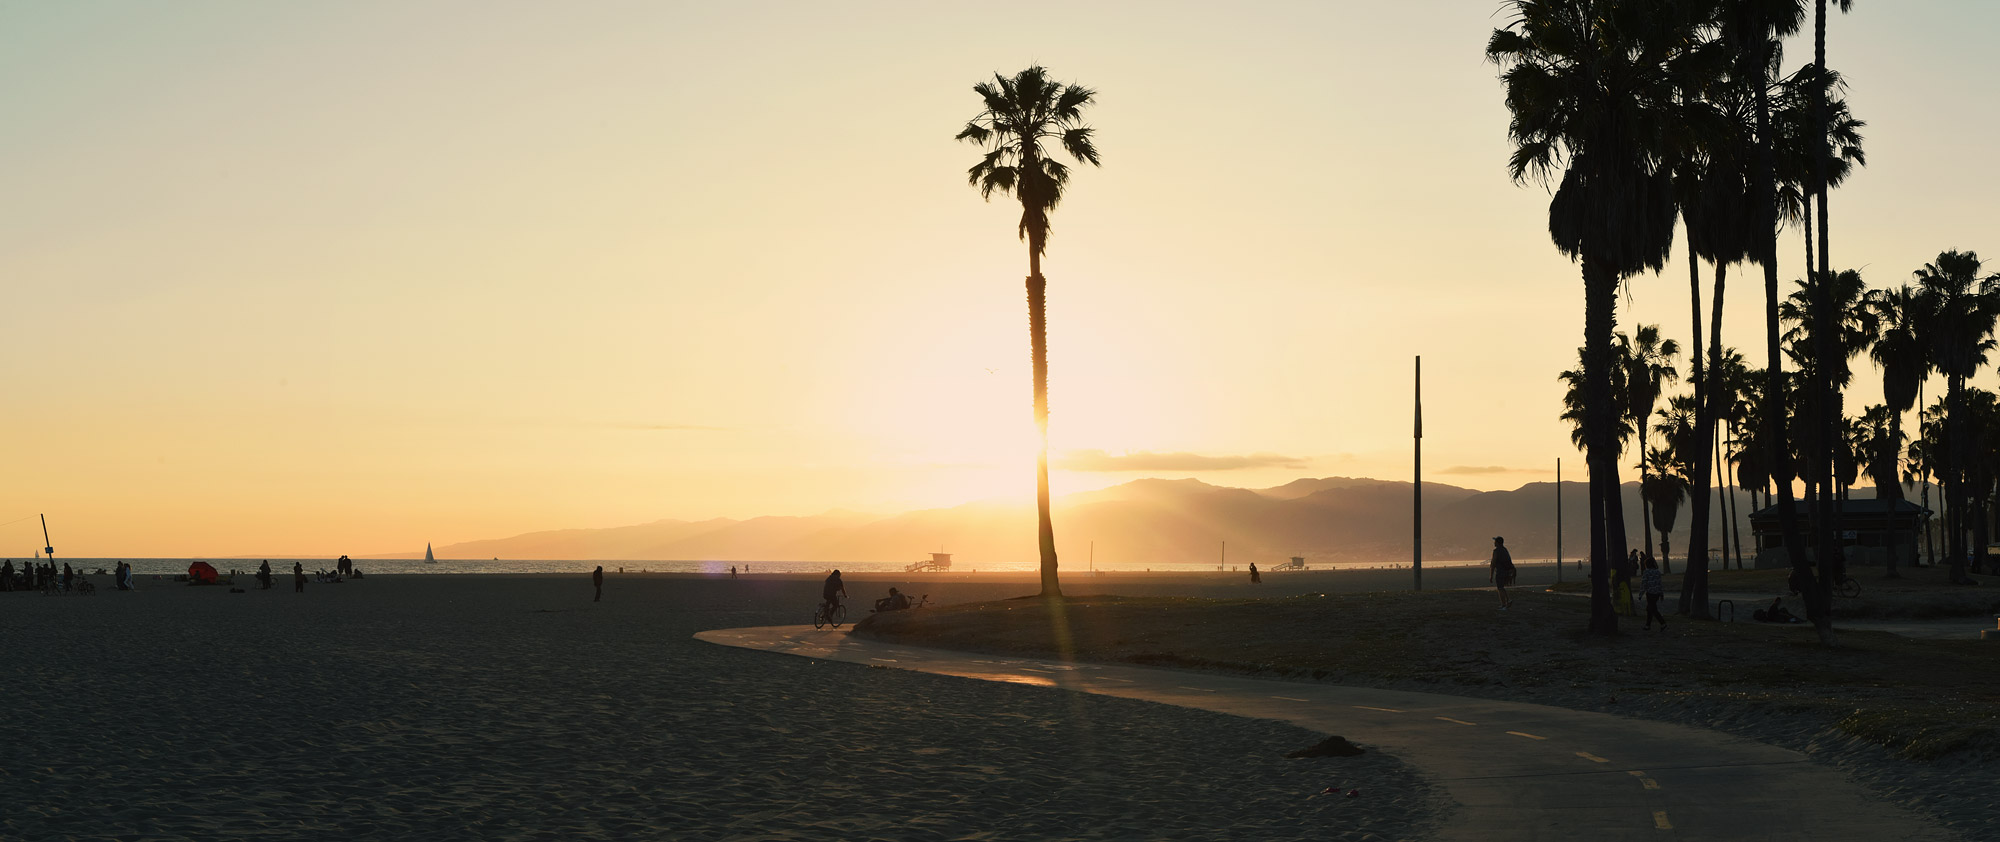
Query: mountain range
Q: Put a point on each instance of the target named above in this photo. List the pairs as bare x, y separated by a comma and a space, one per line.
1144, 522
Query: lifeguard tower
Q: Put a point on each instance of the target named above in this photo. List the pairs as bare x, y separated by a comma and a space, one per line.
937, 561
1298, 562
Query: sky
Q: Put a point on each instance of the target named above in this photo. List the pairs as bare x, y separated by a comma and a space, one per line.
353, 277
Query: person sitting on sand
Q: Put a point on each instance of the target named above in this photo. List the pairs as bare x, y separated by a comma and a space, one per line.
831, 592
1774, 614
895, 601
1502, 572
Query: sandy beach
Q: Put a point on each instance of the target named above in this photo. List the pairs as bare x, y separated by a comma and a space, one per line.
512, 707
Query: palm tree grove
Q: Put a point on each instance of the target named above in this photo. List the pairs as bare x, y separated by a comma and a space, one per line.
1648, 119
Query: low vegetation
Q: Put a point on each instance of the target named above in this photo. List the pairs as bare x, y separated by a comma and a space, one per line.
1922, 699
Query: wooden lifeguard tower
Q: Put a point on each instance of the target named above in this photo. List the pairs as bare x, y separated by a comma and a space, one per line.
937, 561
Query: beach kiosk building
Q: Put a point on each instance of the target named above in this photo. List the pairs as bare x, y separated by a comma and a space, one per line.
1869, 531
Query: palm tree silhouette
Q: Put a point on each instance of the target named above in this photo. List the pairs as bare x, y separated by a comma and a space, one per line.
1904, 357
1752, 29
1018, 116
1648, 361
1964, 308
1592, 92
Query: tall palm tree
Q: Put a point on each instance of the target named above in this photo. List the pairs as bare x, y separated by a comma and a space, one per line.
1676, 429
1649, 365
1729, 405
1018, 116
1711, 185
1964, 308
1667, 488
1903, 356
1590, 86
1822, 156
1753, 28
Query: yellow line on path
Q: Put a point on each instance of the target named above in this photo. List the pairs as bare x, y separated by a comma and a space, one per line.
1649, 783
1289, 699
1660, 820
1459, 721
1591, 757
1384, 710
1200, 689
1526, 734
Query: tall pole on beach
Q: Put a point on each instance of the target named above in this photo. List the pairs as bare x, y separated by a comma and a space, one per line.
47, 546
1417, 511
1559, 520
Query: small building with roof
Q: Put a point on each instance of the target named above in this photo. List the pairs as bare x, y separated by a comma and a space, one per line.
1869, 530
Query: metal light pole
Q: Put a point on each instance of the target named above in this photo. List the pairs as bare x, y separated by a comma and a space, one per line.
1417, 510
1559, 520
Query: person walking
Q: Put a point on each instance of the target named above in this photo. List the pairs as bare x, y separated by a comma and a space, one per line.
597, 579
1254, 578
1501, 572
1649, 583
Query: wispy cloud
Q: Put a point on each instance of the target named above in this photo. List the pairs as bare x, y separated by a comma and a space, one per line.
673, 427
1491, 469
1102, 462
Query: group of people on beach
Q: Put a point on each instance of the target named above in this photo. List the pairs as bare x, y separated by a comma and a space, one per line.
37, 576
1502, 574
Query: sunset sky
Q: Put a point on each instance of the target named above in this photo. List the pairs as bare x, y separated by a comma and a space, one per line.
351, 277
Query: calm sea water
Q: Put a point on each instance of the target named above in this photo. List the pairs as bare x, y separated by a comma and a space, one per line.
168, 566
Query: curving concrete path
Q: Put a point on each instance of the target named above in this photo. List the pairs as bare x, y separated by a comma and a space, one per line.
1518, 771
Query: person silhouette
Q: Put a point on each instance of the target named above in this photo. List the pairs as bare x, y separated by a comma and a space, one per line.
298, 577
597, 579
832, 591
1502, 572
1254, 577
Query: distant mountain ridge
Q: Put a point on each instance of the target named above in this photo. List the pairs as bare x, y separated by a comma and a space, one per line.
1143, 522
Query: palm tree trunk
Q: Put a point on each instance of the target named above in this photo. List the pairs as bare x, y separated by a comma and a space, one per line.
1038, 341
1735, 512
1781, 460
1954, 477
1694, 579
1831, 564
1607, 532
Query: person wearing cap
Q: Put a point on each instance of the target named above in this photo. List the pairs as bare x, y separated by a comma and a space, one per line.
1502, 572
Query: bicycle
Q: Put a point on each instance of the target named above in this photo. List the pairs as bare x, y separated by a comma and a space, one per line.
1847, 587
822, 618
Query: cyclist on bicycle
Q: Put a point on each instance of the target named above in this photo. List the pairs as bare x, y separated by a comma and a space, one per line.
832, 591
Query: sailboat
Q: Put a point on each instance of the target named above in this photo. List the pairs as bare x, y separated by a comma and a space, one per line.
428, 558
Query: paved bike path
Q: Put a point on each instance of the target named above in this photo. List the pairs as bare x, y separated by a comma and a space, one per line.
1517, 771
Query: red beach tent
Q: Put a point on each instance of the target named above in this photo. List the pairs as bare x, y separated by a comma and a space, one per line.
203, 572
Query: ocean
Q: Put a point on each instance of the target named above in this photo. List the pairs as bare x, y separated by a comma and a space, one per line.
169, 566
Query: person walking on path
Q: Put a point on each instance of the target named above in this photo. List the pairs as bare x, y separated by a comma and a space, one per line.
1254, 578
1649, 583
298, 577
1502, 572
597, 579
